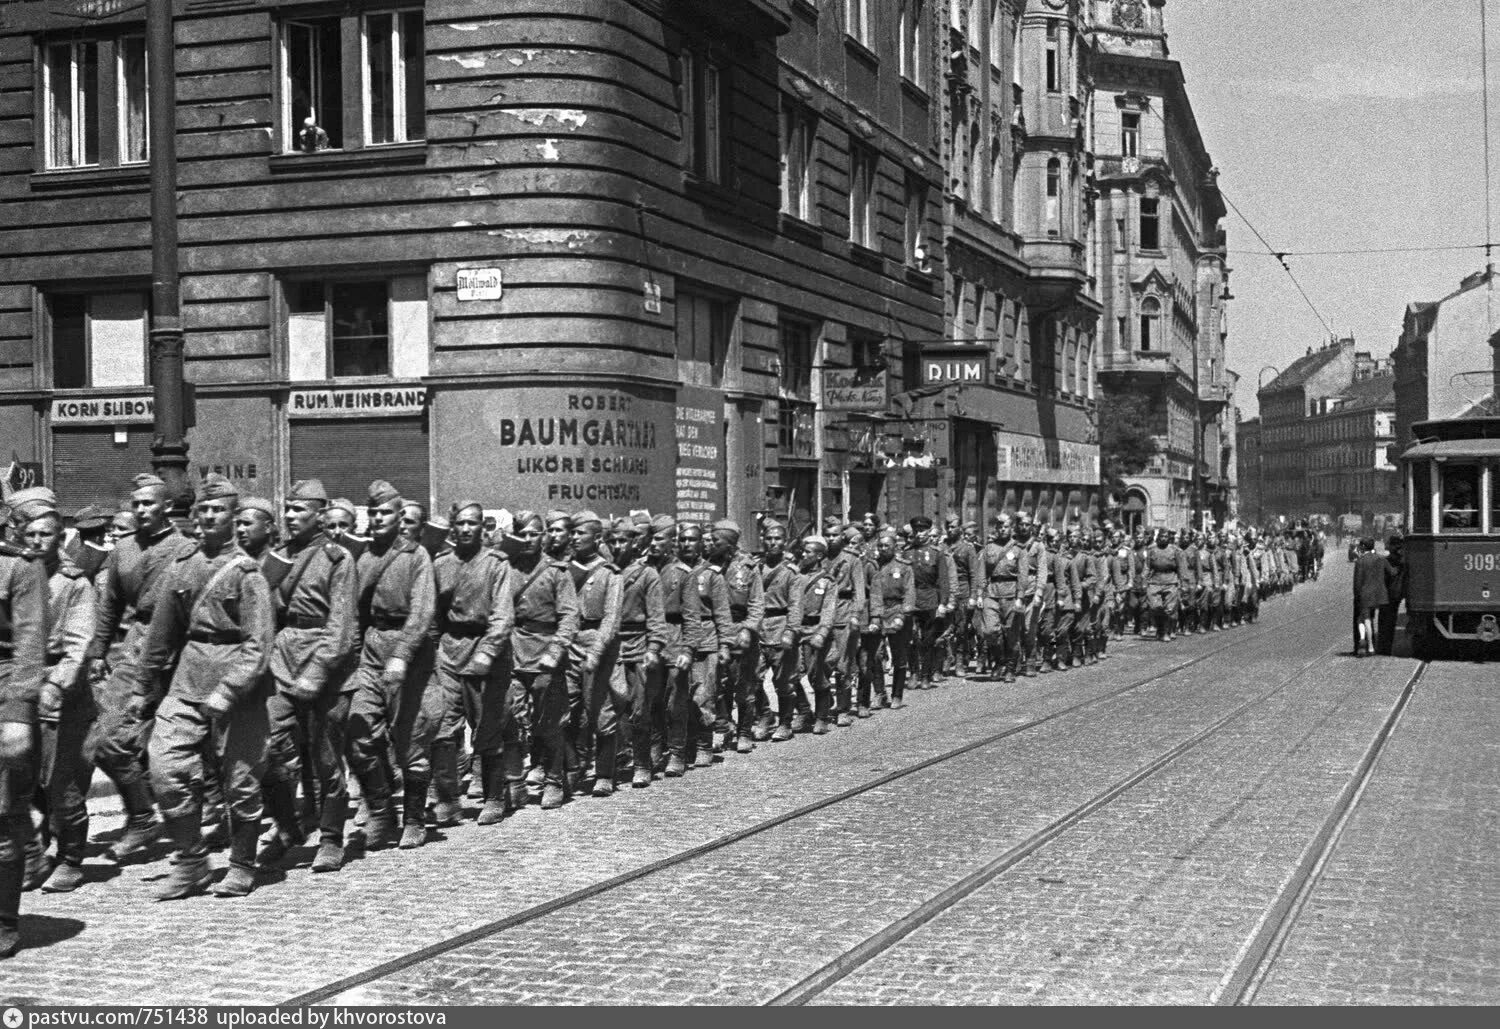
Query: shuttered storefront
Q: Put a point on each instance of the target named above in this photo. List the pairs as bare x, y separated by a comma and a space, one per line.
89, 467
348, 454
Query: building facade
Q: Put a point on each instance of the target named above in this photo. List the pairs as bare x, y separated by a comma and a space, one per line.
1350, 477
1251, 470
1446, 360
1007, 391
1159, 249
624, 254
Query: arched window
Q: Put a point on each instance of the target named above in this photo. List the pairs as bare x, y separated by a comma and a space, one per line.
1151, 324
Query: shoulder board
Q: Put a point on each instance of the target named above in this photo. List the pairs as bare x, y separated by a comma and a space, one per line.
248, 564
334, 552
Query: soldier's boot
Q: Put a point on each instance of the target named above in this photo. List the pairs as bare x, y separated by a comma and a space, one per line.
704, 758
448, 808
380, 827
676, 766
1103, 648
141, 831
536, 779
744, 744
490, 774
605, 748
65, 878
38, 864
765, 725
286, 826
190, 871
414, 812
12, 871
1010, 670
553, 795
240, 879
216, 834
801, 722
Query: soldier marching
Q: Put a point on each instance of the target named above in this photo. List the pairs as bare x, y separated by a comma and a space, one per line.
214, 673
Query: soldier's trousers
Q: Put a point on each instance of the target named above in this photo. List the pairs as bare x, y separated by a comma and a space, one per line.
183, 734
17, 786
843, 667
781, 662
1060, 642
117, 742
323, 722
871, 670
703, 677
541, 715
1082, 630
1033, 639
643, 688
1164, 601
899, 645
815, 667
735, 707
681, 716
398, 720
1104, 619
65, 774
1003, 632
482, 702
594, 708
926, 628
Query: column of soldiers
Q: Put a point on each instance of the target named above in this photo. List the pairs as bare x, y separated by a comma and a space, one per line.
212, 673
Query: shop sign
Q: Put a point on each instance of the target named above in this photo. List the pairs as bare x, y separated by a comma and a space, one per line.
478, 284
1025, 458
94, 9
854, 389
387, 402
955, 367
103, 411
699, 430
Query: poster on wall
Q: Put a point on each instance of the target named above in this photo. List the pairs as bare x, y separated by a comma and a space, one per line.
699, 433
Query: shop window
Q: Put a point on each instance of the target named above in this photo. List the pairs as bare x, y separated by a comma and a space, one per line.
704, 325
798, 136
704, 115
861, 195
389, 81
98, 340
94, 102
348, 329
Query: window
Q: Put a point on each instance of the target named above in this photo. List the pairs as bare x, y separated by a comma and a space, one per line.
916, 222
997, 37
98, 339
1460, 499
861, 195
95, 102
798, 134
1150, 323
1150, 224
390, 80
704, 324
1130, 133
857, 20
958, 296
913, 41
703, 114
1054, 194
357, 328
997, 182
796, 412
978, 192
1053, 78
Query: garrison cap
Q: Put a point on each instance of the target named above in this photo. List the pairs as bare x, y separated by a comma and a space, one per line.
525, 518
623, 524
584, 517
971, 525
91, 517
953, 522
814, 541
342, 504
663, 523
641, 518
771, 523
463, 505
557, 516
216, 487
260, 504
309, 489
30, 504
147, 481
853, 535
728, 527
383, 493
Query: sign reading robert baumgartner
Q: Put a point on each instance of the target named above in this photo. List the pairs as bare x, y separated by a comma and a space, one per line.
356, 403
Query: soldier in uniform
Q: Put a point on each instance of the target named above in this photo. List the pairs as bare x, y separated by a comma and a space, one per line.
1085, 585
65, 705
215, 622
934, 596
595, 710
843, 567
1211, 583
1008, 592
782, 620
676, 689
127, 600
706, 636
1167, 567
394, 709
318, 627
1120, 571
23, 671
968, 586
546, 609
1056, 600
1039, 568
867, 639
643, 637
896, 586
818, 593
747, 608
473, 619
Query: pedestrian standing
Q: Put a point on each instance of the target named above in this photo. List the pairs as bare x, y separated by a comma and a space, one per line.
1370, 572
1395, 590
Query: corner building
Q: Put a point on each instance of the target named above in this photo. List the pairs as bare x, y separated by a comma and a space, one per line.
604, 253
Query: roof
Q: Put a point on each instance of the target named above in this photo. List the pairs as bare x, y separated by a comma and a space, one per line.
1299, 371
1453, 448
1376, 391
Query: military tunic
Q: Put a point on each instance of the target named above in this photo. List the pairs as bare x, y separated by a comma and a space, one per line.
23, 658
67, 710
546, 610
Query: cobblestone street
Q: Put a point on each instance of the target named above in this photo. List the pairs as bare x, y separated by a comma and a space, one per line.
1126, 831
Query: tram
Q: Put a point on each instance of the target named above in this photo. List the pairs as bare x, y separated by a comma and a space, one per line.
1452, 476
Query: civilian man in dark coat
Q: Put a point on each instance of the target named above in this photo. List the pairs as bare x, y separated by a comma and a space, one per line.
1369, 594
1395, 590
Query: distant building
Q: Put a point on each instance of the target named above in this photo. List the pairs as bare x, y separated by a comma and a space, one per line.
1349, 472
1286, 402
1160, 259
1445, 362
1247, 440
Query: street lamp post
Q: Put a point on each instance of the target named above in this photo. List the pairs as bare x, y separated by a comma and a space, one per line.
1260, 453
169, 445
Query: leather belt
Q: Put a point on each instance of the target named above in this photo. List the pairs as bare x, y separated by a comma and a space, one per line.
632, 627
674, 619
218, 637
738, 613
296, 621
846, 594
773, 612
810, 619
384, 621
590, 623
538, 627
465, 630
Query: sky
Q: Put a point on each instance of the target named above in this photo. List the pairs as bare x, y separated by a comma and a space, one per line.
1354, 125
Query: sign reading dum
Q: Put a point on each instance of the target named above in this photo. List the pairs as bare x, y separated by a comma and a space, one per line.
960, 367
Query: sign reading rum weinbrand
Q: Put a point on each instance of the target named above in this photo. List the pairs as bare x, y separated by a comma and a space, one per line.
387, 402
103, 411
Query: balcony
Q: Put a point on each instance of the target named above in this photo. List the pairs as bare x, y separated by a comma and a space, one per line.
1139, 362
1117, 167
1058, 267
1213, 397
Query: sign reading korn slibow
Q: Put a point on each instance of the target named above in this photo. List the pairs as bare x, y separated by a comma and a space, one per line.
546, 446
102, 411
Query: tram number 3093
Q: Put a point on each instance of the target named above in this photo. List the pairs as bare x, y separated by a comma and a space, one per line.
1482, 562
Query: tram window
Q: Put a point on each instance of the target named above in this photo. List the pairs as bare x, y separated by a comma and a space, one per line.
1421, 493
1460, 498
